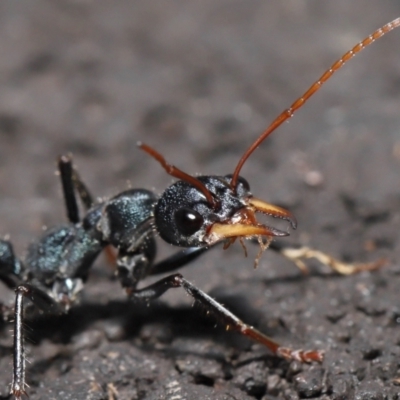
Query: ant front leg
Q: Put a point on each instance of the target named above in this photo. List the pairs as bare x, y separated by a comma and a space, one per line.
178, 260
42, 301
298, 254
222, 314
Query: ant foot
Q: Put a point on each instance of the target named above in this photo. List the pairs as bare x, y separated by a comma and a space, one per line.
304, 356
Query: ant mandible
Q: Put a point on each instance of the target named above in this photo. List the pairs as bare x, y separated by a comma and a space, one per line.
195, 213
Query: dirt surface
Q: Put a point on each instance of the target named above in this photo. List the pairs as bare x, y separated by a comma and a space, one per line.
199, 80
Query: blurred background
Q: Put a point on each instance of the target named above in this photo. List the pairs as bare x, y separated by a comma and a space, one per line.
200, 81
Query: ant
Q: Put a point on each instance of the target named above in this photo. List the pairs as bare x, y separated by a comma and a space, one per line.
195, 213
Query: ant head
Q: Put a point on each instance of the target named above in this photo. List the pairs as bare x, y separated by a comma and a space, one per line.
201, 211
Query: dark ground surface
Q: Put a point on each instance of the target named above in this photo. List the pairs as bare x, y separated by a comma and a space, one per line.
199, 81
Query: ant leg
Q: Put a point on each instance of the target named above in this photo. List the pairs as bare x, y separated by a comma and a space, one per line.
131, 268
71, 181
83, 191
297, 254
220, 312
44, 302
66, 174
177, 260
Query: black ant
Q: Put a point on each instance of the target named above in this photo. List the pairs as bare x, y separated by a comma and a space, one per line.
194, 212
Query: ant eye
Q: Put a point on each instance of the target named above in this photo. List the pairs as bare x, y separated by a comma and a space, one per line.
241, 181
188, 221
244, 183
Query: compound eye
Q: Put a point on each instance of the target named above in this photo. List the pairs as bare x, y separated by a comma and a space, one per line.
188, 221
241, 182
244, 183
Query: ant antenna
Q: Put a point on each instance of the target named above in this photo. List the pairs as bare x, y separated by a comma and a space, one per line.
289, 112
177, 173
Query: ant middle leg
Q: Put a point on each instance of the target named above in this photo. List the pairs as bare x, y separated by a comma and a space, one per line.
221, 313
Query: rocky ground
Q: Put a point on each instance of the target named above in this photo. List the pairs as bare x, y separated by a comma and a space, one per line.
199, 81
